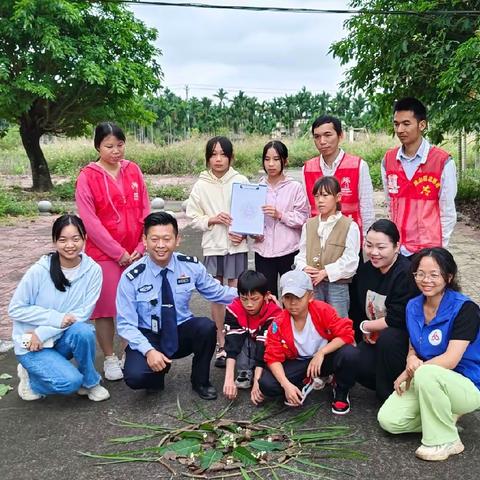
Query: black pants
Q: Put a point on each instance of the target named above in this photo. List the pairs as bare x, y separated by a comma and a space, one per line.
197, 335
337, 363
274, 267
379, 365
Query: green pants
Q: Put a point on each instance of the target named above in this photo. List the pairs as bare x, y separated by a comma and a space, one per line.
428, 406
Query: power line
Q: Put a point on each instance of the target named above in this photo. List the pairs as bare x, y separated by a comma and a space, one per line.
201, 86
299, 10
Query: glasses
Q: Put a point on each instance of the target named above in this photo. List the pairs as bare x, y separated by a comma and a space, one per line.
434, 277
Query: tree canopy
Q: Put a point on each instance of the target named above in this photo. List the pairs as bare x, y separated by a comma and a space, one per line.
65, 65
433, 56
242, 113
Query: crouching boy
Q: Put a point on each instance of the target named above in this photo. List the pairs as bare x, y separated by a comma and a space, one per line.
247, 319
307, 341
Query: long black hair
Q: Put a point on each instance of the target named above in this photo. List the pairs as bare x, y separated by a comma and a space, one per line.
58, 278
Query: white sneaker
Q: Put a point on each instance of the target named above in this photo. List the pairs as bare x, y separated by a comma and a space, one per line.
5, 346
25, 392
244, 379
96, 393
112, 368
439, 452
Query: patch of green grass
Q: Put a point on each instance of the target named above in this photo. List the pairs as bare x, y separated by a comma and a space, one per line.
469, 186
169, 192
63, 191
12, 206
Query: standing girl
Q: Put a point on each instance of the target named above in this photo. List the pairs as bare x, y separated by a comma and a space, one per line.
442, 378
50, 309
112, 200
329, 247
286, 211
225, 254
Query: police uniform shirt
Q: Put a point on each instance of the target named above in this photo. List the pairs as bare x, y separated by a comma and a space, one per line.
139, 295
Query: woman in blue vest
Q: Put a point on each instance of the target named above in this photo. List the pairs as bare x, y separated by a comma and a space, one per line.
442, 378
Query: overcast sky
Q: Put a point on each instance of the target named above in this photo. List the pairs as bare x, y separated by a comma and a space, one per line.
265, 54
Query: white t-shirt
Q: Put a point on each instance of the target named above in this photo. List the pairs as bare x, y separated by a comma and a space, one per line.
71, 273
307, 341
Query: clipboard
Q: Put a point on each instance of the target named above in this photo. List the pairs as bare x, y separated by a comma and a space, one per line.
246, 208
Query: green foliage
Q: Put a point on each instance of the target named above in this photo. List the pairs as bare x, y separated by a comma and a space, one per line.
169, 192
245, 456
469, 186
433, 57
65, 65
177, 117
63, 191
209, 457
226, 447
187, 157
9, 205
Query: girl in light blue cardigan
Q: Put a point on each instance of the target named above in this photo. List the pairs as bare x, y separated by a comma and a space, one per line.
49, 309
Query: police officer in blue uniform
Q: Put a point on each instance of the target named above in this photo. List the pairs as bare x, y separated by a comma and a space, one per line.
153, 313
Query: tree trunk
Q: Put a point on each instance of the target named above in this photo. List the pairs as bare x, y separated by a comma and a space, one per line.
30, 134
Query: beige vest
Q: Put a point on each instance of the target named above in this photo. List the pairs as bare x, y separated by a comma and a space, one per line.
334, 247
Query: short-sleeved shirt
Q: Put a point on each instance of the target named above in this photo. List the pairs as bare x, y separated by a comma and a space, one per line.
308, 341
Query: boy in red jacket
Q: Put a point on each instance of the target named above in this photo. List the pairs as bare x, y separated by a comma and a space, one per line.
246, 322
308, 340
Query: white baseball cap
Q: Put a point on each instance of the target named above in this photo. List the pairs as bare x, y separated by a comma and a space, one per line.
296, 282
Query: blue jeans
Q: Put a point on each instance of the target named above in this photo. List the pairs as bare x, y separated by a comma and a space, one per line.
50, 369
335, 294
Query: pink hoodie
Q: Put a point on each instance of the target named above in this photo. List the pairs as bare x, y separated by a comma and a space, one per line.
282, 237
97, 232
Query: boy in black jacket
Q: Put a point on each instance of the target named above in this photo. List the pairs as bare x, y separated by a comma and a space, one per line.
247, 320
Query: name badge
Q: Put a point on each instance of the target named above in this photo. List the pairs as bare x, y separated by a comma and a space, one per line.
145, 288
155, 324
182, 280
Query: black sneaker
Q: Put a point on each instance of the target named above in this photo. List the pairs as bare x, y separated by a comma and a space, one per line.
244, 379
341, 402
220, 358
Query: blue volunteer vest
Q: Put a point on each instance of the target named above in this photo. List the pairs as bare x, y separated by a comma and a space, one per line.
432, 340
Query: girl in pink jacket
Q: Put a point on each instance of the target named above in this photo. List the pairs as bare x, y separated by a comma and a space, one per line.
112, 201
286, 211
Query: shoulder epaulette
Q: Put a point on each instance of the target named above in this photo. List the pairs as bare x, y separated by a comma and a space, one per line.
187, 258
135, 272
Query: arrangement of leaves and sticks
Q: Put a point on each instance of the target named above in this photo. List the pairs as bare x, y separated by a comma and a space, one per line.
214, 446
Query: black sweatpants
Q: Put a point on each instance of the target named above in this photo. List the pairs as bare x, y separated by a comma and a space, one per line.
197, 335
337, 363
379, 365
274, 267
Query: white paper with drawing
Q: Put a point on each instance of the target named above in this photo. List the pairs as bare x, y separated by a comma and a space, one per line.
246, 210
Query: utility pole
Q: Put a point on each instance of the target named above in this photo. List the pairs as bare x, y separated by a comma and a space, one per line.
187, 131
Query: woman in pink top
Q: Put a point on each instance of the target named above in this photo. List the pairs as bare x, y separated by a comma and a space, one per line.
286, 211
112, 201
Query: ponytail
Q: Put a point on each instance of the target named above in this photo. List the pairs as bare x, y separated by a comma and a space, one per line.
56, 273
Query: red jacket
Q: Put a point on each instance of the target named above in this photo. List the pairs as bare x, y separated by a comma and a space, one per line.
415, 203
280, 344
120, 213
347, 174
239, 326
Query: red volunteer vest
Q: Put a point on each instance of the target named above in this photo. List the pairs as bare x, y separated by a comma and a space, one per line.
347, 174
414, 204
120, 213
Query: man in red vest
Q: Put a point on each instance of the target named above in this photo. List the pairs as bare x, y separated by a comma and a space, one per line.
351, 172
420, 182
